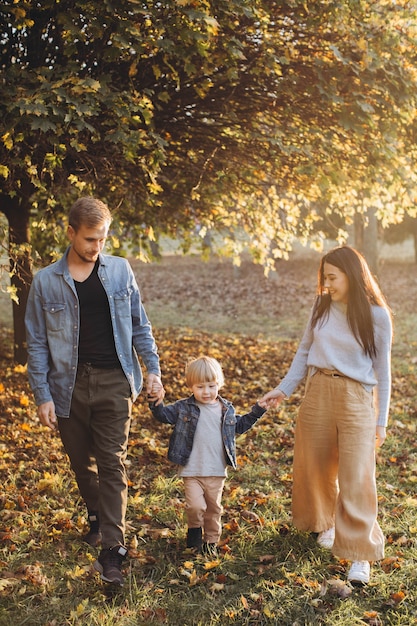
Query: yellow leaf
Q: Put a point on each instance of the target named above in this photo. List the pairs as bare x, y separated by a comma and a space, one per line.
186, 573
24, 400
133, 70
6, 582
362, 44
244, 602
268, 612
211, 564
80, 610
78, 572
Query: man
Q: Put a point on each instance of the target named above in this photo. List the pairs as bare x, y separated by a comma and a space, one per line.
85, 326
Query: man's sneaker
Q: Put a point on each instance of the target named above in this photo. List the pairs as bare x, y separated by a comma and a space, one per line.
359, 573
326, 538
109, 564
93, 537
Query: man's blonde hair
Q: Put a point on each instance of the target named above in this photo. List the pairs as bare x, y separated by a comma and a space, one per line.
204, 369
90, 212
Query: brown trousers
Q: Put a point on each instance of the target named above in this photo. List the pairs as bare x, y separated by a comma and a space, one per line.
95, 438
334, 466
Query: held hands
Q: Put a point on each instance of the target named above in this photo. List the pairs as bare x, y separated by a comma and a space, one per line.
272, 399
155, 389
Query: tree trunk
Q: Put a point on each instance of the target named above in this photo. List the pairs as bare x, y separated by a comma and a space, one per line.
366, 238
415, 245
358, 229
17, 214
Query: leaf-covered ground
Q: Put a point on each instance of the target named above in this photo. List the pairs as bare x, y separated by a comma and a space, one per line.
266, 572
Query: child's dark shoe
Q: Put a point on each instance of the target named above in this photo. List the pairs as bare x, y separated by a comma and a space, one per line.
195, 538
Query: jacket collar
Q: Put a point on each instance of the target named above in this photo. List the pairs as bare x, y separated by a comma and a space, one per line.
191, 400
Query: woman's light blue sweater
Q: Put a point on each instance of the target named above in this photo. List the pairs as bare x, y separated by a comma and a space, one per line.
332, 345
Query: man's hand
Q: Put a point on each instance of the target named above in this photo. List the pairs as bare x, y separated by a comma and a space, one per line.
46, 414
155, 389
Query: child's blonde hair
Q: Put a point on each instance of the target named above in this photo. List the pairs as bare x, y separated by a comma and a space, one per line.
203, 369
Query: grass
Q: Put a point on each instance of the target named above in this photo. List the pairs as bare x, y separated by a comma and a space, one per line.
267, 573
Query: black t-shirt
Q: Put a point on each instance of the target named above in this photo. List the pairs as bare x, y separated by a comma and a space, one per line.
96, 342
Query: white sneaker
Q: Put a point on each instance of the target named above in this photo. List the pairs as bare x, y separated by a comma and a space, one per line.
326, 538
359, 573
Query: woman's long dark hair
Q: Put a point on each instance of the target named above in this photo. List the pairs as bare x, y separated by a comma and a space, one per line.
363, 292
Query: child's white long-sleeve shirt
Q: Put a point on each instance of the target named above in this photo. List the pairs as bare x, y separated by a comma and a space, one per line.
207, 456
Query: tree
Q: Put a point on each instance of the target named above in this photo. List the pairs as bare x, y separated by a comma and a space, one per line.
236, 115
397, 233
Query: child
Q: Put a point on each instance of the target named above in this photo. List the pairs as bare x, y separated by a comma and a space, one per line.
202, 445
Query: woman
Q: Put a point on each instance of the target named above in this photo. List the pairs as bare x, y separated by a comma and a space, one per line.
345, 354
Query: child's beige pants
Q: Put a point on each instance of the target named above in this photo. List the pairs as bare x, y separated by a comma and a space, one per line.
334, 466
203, 495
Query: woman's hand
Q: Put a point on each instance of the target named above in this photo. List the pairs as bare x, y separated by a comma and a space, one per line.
272, 398
381, 433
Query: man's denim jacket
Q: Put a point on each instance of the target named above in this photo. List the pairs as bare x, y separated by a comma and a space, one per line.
52, 330
184, 415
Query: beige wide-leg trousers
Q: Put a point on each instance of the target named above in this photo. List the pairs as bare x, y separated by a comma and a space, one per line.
334, 466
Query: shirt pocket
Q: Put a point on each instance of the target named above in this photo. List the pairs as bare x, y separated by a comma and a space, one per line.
54, 313
182, 425
122, 302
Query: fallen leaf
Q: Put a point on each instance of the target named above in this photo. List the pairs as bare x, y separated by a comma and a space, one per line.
6, 582
337, 587
390, 563
211, 564
251, 516
372, 618
397, 597
266, 558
